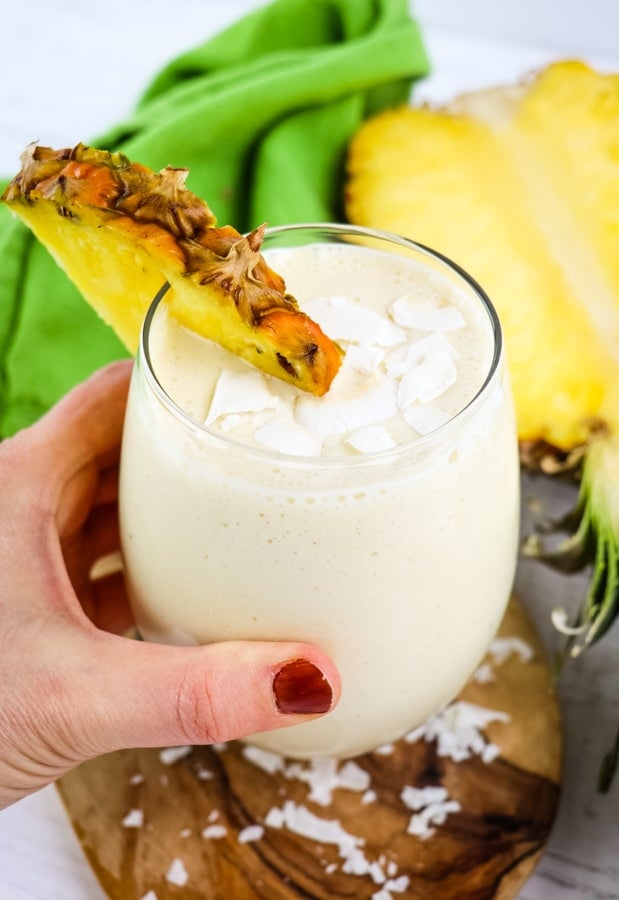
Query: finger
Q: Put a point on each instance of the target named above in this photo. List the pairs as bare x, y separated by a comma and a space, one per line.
109, 604
153, 695
84, 427
107, 486
83, 548
101, 532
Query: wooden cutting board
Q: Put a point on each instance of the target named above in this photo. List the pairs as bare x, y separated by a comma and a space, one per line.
485, 846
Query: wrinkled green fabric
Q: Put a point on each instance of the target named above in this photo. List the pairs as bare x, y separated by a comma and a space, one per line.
261, 115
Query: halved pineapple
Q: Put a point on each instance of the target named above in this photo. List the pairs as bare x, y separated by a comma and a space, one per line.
120, 231
520, 185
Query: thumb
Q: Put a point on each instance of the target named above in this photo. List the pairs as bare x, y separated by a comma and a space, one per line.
154, 695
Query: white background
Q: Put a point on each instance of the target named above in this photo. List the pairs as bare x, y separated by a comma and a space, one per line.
71, 68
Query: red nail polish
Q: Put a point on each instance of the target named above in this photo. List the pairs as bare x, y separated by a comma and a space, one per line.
300, 688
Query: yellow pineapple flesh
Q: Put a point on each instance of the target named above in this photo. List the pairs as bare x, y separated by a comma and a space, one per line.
120, 231
520, 185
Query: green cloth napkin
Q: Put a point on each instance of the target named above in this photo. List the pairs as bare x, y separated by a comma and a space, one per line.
261, 115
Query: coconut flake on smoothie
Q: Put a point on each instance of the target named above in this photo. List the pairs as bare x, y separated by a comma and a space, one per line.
416, 353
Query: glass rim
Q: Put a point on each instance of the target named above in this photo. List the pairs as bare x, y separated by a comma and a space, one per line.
340, 460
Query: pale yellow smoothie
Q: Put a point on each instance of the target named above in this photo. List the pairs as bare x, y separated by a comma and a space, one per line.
379, 522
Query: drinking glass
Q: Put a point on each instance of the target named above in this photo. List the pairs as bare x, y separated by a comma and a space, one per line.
397, 563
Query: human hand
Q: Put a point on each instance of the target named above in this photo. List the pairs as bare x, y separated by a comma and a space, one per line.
72, 686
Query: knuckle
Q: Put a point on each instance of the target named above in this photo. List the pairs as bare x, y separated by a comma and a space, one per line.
195, 712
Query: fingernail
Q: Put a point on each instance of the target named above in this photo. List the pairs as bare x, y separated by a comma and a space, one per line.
300, 688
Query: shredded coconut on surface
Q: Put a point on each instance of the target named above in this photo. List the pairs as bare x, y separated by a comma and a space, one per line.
250, 833
431, 806
133, 819
177, 873
457, 731
170, 755
300, 820
214, 832
501, 648
483, 674
323, 775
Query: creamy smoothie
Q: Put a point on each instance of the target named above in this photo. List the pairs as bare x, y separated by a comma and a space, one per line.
379, 522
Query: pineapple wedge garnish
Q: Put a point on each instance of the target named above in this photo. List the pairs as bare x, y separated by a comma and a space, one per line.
120, 231
520, 185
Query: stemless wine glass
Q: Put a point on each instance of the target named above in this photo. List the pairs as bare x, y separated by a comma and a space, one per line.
398, 563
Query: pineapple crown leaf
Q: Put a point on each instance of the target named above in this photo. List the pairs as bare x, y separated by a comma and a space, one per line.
593, 540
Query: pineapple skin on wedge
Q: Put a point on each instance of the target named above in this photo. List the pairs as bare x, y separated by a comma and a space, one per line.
120, 231
520, 186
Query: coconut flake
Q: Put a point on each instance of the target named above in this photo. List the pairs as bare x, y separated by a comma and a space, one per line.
426, 316
298, 819
288, 437
391, 887
344, 320
266, 760
365, 360
343, 411
457, 731
177, 873
425, 419
240, 393
483, 674
229, 423
356, 863
353, 778
401, 359
214, 832
369, 797
384, 750
136, 779
172, 754
501, 648
431, 806
371, 439
322, 774
133, 819
149, 895
418, 798
250, 833
323, 777
427, 380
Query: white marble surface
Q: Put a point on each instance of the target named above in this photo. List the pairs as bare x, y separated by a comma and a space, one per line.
70, 69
